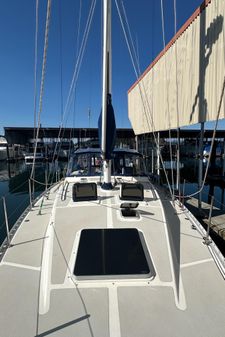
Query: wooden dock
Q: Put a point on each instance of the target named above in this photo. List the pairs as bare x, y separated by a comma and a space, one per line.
217, 220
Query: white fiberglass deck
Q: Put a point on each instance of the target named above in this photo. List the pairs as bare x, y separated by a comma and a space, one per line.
40, 296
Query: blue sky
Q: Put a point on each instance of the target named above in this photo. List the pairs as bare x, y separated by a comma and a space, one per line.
17, 32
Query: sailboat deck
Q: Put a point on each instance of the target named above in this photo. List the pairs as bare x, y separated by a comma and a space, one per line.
38, 271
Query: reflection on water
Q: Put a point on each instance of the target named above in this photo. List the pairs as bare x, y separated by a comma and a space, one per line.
15, 188
172, 165
215, 181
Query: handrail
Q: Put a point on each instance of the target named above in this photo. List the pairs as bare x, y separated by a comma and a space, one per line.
64, 191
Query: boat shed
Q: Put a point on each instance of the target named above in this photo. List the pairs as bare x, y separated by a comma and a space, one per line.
184, 85
22, 135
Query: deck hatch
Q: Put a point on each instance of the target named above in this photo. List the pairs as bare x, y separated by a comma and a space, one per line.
128, 209
112, 253
84, 191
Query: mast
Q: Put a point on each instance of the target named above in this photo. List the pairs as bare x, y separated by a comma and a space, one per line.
106, 91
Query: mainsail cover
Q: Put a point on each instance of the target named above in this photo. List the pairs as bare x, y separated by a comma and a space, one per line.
110, 130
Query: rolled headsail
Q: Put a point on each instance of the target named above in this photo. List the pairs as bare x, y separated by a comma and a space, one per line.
110, 136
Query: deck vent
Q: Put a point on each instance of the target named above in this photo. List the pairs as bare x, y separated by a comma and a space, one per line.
128, 209
134, 192
84, 192
112, 253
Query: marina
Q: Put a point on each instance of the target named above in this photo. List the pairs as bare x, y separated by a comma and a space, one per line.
19, 140
108, 231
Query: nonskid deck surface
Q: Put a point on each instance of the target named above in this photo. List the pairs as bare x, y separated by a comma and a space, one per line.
40, 296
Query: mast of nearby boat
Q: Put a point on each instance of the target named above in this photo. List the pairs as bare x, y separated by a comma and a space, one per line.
106, 92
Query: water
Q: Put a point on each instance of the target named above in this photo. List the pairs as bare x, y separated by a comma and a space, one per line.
214, 186
15, 188
189, 180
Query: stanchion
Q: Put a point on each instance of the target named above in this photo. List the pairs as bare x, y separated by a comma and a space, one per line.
6, 220
30, 194
207, 240
183, 192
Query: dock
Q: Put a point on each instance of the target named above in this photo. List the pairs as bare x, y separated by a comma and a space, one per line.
217, 225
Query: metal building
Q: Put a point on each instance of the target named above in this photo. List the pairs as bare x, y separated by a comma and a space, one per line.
184, 84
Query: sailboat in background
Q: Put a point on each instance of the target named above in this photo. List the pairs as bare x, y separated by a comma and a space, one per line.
3, 148
110, 254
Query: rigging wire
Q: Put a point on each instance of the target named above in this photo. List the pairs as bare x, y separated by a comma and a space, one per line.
76, 56
143, 94
61, 76
79, 58
77, 67
35, 65
167, 100
217, 118
131, 40
216, 123
35, 69
61, 60
176, 94
136, 58
212, 143
42, 81
152, 81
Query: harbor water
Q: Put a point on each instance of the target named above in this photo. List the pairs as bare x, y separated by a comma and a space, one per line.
14, 187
